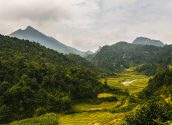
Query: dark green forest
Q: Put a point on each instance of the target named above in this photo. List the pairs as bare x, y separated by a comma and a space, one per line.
36, 80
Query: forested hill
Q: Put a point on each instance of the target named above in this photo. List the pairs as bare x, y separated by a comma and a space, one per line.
25, 50
35, 80
123, 55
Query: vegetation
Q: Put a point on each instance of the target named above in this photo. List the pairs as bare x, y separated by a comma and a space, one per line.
47, 119
35, 80
126, 110
49, 88
157, 110
149, 59
128, 80
154, 112
160, 85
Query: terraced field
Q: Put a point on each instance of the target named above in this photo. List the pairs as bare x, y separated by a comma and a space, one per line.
128, 79
104, 113
95, 107
92, 118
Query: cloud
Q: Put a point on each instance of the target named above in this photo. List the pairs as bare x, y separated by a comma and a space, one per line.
36, 11
87, 24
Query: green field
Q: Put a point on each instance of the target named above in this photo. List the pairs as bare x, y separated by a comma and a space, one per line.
136, 82
92, 118
101, 113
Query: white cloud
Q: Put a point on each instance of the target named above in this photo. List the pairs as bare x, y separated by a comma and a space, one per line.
87, 24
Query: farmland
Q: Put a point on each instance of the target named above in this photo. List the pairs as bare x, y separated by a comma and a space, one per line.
128, 79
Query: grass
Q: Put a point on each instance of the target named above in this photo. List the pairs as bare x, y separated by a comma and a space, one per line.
92, 118
95, 107
137, 81
105, 95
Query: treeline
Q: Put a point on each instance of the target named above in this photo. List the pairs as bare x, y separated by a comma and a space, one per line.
35, 80
148, 59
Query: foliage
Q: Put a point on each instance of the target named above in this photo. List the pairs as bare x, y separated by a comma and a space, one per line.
151, 113
160, 84
123, 55
40, 111
33, 77
158, 108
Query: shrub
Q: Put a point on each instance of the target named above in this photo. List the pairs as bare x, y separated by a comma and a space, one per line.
40, 111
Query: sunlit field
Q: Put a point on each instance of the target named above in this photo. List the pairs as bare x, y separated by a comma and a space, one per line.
128, 79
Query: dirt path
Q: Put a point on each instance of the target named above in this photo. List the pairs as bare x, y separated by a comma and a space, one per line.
128, 82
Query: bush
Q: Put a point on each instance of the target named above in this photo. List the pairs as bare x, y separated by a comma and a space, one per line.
40, 111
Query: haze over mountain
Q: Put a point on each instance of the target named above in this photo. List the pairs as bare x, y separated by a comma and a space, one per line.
147, 41
32, 34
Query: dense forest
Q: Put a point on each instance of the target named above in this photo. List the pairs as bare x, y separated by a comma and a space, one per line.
148, 59
35, 80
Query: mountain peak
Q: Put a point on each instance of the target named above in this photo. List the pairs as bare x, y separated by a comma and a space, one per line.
148, 41
29, 28
33, 34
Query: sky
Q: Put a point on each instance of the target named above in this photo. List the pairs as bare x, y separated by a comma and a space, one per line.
88, 24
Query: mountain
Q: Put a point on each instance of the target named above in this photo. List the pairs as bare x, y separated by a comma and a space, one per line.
87, 53
147, 41
123, 55
32, 34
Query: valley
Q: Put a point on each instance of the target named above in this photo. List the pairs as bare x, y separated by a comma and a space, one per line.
85, 62
119, 85
96, 112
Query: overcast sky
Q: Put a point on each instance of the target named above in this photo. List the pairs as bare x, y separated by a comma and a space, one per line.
88, 24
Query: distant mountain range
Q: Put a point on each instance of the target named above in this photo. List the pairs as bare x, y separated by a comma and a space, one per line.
147, 41
32, 34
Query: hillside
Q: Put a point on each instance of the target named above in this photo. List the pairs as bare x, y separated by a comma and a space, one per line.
32, 34
147, 41
160, 85
35, 80
123, 55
